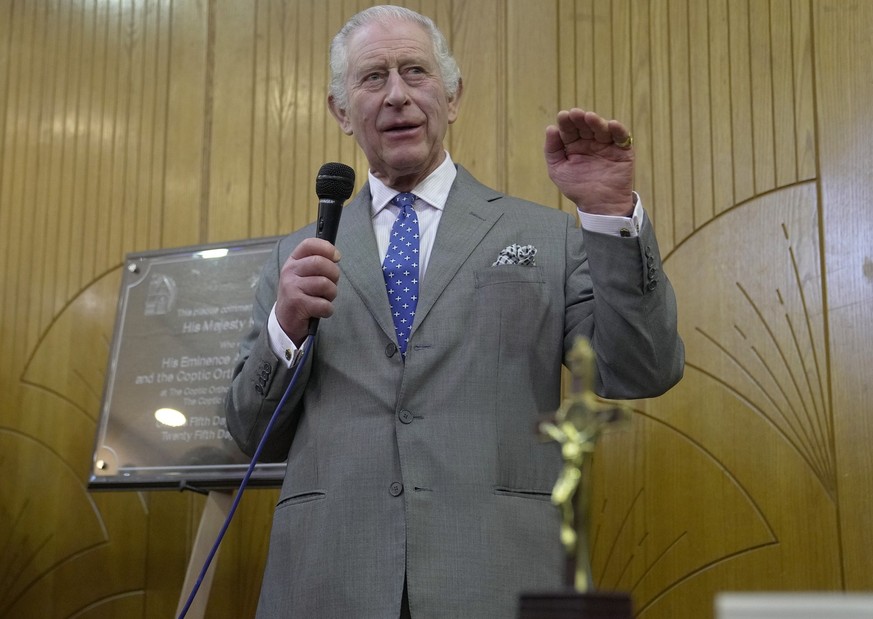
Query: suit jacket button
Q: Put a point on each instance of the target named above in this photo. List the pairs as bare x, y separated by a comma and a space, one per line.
652, 285
405, 416
396, 489
391, 349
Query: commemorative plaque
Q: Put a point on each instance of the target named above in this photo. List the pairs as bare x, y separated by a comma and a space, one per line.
181, 314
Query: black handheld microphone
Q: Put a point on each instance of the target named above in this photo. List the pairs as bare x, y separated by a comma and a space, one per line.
333, 186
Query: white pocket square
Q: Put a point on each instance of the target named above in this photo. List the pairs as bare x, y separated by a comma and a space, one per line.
522, 255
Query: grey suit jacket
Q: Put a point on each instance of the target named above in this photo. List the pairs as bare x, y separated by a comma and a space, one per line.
431, 469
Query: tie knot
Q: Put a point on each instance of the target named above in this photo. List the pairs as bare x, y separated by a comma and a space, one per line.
404, 199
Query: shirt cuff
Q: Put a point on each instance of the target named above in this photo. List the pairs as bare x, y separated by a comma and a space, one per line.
615, 225
281, 345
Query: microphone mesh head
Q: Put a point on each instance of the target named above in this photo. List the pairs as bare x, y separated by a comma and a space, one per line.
335, 181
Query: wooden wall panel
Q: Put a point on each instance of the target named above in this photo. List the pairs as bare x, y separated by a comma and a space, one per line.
143, 124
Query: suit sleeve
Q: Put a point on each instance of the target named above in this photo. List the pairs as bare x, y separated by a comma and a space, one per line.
618, 296
260, 378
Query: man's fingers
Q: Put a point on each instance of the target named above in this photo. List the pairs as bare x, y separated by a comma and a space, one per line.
315, 247
312, 265
318, 286
554, 146
621, 135
577, 124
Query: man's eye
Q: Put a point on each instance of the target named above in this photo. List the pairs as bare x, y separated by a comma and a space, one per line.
415, 74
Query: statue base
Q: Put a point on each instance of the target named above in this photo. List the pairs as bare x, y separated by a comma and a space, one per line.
571, 604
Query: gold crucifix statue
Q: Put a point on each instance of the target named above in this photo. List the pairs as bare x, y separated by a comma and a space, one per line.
577, 425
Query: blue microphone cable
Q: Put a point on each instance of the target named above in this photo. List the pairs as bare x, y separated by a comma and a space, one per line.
245, 480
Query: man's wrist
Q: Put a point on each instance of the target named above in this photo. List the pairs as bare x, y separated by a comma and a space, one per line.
615, 225
280, 343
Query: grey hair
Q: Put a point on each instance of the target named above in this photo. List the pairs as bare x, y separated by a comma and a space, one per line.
339, 49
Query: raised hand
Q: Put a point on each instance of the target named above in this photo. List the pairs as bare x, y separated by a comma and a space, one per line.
591, 161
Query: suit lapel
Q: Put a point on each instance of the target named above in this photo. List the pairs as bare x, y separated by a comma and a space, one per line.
360, 259
469, 214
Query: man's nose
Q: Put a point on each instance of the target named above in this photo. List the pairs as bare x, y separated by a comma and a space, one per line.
398, 90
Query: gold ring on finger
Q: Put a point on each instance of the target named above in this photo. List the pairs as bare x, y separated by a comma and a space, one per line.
626, 143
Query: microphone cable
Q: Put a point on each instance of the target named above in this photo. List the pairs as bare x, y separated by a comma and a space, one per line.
245, 480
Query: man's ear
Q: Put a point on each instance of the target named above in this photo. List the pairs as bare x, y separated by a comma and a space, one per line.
340, 114
455, 102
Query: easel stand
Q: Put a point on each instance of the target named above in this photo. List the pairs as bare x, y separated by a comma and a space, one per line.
215, 511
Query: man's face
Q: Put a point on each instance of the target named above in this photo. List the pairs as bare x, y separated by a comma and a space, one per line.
398, 109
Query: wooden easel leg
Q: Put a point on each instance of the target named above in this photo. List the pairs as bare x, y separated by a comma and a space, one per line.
215, 511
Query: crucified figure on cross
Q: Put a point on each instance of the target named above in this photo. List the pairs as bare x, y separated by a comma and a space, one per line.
576, 426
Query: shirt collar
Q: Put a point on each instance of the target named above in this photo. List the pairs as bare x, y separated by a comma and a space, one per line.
434, 189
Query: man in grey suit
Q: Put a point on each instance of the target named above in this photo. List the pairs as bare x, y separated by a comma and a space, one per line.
416, 484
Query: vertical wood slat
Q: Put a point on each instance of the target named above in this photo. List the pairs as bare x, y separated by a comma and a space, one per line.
7, 83
72, 206
569, 46
663, 197
129, 94
532, 68
478, 32
761, 68
234, 86
53, 134
109, 226
700, 106
46, 175
300, 202
641, 118
583, 51
804, 89
102, 128
279, 97
842, 51
334, 138
25, 172
568, 95
622, 71
258, 221
184, 126
782, 74
724, 195
741, 100
681, 116
602, 69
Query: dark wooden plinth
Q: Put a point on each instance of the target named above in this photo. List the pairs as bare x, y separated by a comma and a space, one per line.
575, 605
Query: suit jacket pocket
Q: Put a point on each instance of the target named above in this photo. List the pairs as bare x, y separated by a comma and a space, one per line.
537, 495
301, 497
509, 274
517, 322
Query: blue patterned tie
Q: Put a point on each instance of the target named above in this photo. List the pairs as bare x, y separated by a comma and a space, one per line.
400, 268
